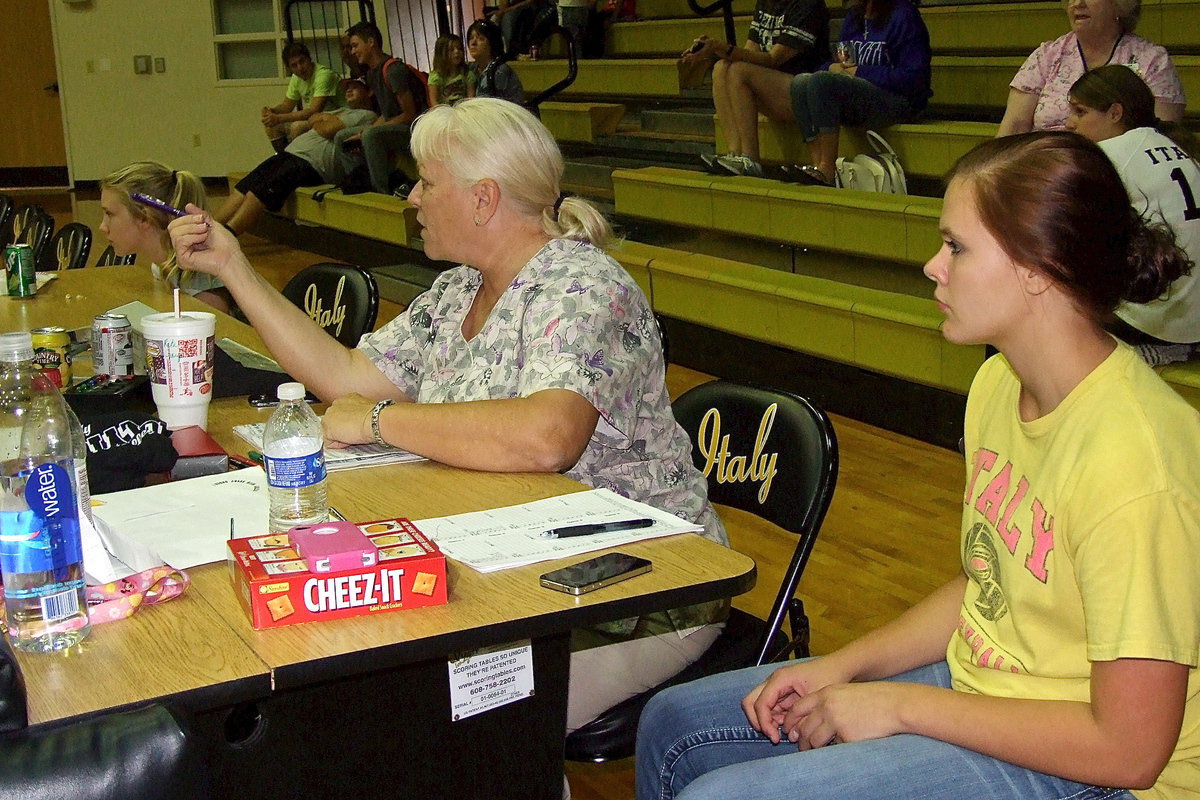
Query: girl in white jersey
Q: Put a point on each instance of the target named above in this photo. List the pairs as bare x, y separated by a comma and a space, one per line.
1060, 661
1114, 107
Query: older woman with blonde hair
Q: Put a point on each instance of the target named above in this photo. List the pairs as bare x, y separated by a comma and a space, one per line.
136, 229
1102, 32
538, 353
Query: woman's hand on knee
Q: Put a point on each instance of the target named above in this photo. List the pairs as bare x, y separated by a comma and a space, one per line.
768, 705
847, 712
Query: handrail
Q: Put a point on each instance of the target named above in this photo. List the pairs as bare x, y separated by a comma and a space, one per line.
572, 70
323, 46
544, 26
726, 7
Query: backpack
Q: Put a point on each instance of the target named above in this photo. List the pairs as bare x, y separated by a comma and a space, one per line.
880, 172
421, 99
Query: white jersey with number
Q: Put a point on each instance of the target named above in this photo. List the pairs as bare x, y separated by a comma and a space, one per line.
1163, 184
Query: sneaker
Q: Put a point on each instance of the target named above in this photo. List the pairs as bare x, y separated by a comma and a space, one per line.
710, 163
740, 165
1159, 355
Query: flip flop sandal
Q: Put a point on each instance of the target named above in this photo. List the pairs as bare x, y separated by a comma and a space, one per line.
808, 174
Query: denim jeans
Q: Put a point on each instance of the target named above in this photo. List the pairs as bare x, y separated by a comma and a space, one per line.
694, 743
822, 102
379, 144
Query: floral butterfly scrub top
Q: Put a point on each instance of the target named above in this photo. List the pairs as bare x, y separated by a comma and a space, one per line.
572, 319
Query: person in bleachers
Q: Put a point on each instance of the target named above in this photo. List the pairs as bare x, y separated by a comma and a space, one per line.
881, 76
1101, 33
136, 229
400, 96
787, 37
451, 79
515, 19
1060, 661
311, 90
1113, 107
310, 160
483, 43
539, 353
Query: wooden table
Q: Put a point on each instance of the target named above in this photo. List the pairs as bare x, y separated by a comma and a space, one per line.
357, 706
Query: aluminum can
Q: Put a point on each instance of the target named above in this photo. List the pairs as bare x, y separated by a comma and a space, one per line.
50, 354
21, 271
112, 346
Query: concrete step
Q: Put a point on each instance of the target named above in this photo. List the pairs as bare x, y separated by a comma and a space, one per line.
400, 283
685, 121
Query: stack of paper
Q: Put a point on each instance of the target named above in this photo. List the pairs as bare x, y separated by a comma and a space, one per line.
512, 536
358, 455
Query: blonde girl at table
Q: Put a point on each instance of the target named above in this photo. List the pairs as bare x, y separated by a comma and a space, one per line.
133, 228
538, 354
1060, 662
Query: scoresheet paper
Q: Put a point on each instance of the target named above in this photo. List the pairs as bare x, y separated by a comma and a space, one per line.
512, 536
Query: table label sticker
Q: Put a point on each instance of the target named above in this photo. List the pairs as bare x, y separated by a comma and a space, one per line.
490, 677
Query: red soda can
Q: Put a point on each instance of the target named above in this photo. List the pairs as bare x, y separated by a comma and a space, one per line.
112, 346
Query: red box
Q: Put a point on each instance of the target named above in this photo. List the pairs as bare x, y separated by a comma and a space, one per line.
276, 587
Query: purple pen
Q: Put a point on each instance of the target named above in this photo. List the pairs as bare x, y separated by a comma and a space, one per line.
154, 202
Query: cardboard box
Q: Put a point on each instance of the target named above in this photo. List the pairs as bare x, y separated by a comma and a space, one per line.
276, 587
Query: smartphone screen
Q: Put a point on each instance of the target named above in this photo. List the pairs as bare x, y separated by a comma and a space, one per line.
595, 572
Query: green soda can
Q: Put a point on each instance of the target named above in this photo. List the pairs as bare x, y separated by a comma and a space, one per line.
21, 271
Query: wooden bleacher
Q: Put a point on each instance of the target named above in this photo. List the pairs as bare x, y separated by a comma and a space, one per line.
871, 309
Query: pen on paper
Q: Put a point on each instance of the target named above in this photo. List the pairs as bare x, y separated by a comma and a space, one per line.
597, 527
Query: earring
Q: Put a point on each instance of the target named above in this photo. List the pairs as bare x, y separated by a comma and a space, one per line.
478, 221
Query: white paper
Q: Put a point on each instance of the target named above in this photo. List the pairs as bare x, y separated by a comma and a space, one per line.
512, 536
490, 678
108, 556
187, 523
352, 457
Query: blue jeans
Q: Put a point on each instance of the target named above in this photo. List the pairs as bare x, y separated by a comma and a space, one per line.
694, 742
822, 102
379, 143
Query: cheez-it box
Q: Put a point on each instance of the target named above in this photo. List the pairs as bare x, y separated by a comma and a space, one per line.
276, 587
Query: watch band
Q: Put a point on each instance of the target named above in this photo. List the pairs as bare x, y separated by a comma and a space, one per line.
375, 412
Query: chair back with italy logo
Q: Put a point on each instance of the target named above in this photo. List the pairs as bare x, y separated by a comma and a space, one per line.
341, 298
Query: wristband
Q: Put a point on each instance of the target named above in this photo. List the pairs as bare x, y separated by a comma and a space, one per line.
379, 407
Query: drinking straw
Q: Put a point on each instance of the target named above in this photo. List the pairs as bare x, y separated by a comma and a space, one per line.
177, 302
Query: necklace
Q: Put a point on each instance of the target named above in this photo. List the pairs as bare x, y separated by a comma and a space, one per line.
1111, 53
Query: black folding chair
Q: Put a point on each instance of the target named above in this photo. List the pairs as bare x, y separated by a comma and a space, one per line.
802, 438
341, 298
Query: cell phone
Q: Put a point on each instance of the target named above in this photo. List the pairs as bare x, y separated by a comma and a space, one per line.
267, 400
333, 546
595, 573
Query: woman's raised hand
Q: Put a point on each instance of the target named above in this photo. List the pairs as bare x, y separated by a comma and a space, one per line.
201, 244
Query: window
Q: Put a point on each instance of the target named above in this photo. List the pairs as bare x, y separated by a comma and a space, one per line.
249, 35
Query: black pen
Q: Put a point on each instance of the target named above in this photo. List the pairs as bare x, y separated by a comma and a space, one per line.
597, 527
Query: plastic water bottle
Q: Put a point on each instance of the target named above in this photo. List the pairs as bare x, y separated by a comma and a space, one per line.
294, 451
41, 556
16, 378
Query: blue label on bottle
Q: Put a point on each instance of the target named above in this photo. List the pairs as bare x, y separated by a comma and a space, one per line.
46, 536
296, 473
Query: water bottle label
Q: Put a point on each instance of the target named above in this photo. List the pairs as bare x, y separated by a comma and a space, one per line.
46, 536
296, 473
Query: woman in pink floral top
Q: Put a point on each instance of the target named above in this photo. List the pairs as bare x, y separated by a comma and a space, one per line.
538, 354
1101, 33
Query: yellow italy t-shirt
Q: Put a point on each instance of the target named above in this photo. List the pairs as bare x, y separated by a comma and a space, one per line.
1081, 542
